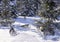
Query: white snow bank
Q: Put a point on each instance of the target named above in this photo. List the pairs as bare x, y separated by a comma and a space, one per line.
4, 36
30, 35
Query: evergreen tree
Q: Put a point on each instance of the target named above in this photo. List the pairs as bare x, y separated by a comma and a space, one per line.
48, 13
6, 13
28, 7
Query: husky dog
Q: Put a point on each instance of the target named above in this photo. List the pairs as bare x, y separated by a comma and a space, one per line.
12, 31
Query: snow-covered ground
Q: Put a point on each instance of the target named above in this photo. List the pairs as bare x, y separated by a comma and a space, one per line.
29, 34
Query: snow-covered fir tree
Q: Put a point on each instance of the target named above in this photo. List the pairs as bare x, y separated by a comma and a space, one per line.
49, 14
28, 7
7, 11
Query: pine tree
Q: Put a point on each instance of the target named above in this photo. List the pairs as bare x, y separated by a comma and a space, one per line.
28, 7
50, 15
6, 13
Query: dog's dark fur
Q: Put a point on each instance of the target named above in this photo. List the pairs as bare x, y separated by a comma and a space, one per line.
12, 31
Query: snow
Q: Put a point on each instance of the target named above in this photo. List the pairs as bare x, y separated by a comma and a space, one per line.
57, 8
29, 34
12, 3
4, 36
